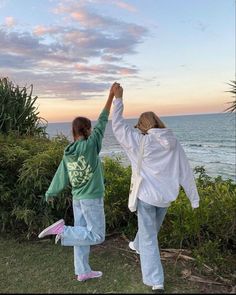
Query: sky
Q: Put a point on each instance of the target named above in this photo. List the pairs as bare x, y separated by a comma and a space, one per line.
173, 57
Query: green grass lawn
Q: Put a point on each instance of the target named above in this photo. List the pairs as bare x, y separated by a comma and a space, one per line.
43, 267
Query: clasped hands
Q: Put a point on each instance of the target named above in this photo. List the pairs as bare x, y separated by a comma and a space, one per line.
116, 90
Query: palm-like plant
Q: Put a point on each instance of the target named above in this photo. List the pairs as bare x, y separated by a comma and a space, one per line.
17, 110
232, 108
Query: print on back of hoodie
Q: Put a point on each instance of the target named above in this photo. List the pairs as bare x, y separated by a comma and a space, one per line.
79, 171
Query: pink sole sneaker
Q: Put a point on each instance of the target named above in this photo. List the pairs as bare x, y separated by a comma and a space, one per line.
89, 275
54, 229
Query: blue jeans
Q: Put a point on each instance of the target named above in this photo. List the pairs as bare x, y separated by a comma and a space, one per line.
150, 219
88, 229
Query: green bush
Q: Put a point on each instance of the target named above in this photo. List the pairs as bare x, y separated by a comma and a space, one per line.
17, 110
214, 220
27, 165
117, 183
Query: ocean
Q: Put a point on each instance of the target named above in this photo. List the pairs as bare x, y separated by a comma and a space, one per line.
209, 140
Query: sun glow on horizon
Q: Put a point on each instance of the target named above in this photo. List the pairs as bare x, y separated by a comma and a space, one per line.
72, 51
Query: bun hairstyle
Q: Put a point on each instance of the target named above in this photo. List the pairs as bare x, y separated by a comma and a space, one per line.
81, 126
149, 120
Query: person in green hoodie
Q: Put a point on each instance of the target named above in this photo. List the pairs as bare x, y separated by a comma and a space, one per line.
81, 168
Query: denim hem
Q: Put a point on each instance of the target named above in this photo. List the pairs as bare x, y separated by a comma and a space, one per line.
153, 284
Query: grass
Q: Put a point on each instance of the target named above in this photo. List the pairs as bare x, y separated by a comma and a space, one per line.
43, 267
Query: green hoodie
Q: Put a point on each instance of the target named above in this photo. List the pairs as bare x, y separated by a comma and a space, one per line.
81, 166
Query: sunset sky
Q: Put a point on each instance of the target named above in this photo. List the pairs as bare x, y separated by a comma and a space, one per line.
173, 57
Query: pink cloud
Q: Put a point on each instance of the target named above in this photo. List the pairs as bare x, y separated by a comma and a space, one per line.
90, 19
125, 5
126, 71
87, 17
59, 64
42, 30
10, 21
105, 69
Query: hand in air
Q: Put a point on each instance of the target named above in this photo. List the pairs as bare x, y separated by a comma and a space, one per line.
118, 90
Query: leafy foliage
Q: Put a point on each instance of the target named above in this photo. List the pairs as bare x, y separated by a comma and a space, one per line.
17, 110
117, 183
27, 165
232, 108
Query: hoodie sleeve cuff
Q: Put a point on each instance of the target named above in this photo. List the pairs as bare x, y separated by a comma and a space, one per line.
48, 196
195, 204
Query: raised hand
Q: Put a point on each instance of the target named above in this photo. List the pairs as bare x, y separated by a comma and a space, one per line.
118, 90
111, 96
112, 89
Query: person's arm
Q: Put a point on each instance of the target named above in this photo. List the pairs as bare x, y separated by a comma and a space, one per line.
99, 129
110, 97
59, 182
187, 180
124, 133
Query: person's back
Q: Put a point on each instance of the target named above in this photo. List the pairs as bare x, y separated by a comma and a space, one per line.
163, 168
81, 168
160, 167
164, 164
81, 165
84, 169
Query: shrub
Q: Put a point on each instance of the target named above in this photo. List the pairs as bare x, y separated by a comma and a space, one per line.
27, 166
214, 220
17, 112
117, 182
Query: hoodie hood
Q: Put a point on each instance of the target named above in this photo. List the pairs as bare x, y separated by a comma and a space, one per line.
72, 149
164, 136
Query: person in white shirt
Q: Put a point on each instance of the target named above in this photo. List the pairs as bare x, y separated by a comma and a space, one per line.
164, 168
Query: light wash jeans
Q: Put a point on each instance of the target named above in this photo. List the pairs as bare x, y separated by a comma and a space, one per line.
88, 229
150, 219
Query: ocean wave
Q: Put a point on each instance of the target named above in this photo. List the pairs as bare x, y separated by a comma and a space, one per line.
220, 162
111, 153
209, 145
196, 145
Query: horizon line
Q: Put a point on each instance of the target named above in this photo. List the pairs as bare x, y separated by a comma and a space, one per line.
130, 118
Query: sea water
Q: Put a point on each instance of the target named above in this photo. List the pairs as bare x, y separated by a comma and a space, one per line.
209, 140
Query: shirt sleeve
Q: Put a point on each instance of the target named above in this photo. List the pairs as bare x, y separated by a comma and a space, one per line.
99, 130
187, 180
59, 181
124, 133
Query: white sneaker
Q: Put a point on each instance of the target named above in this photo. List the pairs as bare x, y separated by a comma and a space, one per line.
131, 245
158, 289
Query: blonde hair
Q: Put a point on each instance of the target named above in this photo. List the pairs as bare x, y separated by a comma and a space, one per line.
149, 120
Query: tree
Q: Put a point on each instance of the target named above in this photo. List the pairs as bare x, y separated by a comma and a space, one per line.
232, 108
17, 111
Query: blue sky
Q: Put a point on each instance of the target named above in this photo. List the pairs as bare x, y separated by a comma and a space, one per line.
171, 56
